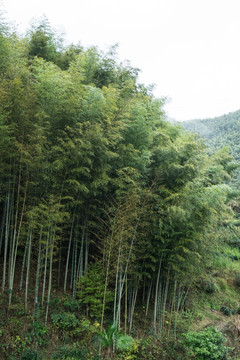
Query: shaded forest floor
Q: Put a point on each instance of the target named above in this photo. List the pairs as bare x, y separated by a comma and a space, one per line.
69, 334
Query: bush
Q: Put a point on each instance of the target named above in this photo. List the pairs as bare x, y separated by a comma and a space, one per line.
208, 286
90, 292
71, 305
66, 352
30, 354
113, 337
228, 312
65, 321
207, 344
73, 353
37, 333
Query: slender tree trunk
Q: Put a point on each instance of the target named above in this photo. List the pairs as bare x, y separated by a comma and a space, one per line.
16, 237
68, 253
59, 264
75, 262
24, 262
125, 272
71, 243
11, 254
134, 298
126, 306
80, 259
116, 278
106, 280
174, 310
50, 275
156, 299
148, 297
6, 242
28, 268
120, 282
45, 269
144, 290
171, 312
184, 297
72, 265
38, 270
81, 264
3, 224
164, 302
86, 252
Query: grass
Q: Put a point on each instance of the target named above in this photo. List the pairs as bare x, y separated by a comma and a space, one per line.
227, 260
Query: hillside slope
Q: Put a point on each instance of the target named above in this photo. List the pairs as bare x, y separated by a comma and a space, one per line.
218, 132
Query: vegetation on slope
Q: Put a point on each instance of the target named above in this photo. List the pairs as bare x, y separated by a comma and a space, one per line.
219, 132
110, 217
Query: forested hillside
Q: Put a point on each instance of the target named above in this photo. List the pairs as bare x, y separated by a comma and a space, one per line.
110, 217
219, 132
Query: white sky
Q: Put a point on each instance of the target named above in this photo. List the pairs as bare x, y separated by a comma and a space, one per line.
189, 48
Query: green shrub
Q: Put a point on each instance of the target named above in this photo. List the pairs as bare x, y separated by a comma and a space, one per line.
228, 312
55, 303
112, 337
65, 321
211, 287
71, 305
37, 333
90, 292
65, 352
208, 286
73, 353
30, 354
207, 344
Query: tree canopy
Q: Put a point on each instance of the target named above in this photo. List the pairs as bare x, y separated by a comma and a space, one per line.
94, 177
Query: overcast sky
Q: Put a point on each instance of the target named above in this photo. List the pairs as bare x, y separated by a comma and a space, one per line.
189, 48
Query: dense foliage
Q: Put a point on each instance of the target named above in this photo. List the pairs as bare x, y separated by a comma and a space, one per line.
100, 197
207, 344
219, 132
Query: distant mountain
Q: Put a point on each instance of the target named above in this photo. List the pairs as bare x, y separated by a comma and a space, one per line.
172, 120
218, 132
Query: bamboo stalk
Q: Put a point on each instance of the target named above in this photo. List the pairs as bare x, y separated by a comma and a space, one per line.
156, 299
50, 275
15, 247
28, 268
134, 298
45, 269
38, 270
6, 244
148, 298
68, 253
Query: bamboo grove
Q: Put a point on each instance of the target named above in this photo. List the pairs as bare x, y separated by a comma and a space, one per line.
101, 199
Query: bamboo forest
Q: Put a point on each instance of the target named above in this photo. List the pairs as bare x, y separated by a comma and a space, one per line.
119, 231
